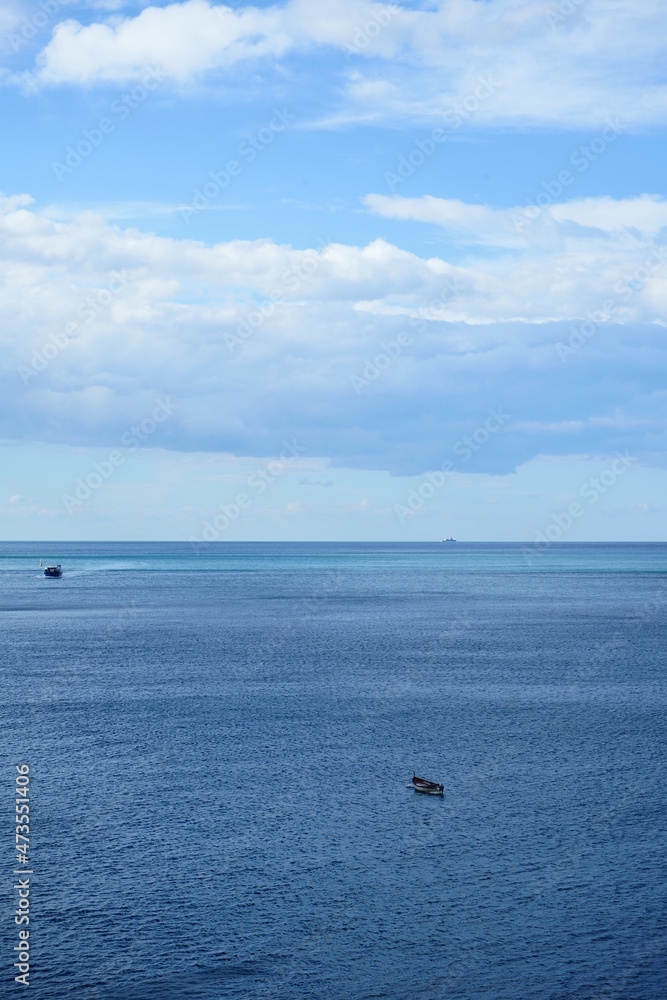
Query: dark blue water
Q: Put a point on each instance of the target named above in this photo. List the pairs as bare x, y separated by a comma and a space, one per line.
220, 744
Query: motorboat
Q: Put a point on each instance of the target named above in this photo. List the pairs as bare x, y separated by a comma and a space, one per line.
53, 571
427, 787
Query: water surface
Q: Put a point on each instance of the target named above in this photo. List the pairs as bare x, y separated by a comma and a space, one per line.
220, 743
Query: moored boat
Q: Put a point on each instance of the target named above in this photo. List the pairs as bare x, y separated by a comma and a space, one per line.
53, 571
428, 787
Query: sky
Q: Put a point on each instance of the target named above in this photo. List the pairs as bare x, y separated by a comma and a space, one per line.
333, 270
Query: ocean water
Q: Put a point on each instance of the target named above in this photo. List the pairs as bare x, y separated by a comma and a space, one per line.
221, 744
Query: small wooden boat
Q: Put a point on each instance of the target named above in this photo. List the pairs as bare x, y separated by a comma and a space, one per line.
428, 787
53, 571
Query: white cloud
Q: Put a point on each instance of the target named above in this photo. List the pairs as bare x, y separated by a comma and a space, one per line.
475, 223
190, 38
646, 215
599, 242
182, 39
259, 341
574, 71
601, 221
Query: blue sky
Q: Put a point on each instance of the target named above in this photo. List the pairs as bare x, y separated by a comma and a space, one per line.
404, 264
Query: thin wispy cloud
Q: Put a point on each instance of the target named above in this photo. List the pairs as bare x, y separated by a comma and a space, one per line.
615, 222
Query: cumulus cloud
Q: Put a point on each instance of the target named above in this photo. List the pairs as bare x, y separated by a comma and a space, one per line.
260, 342
545, 66
190, 38
181, 39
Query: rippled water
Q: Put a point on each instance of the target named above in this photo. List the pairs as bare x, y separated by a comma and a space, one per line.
220, 746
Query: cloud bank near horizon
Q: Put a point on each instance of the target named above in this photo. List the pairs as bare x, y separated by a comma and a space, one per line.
370, 355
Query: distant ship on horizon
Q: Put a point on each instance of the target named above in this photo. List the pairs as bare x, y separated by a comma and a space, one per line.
448, 539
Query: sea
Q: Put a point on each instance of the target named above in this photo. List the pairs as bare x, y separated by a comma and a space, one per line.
220, 742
